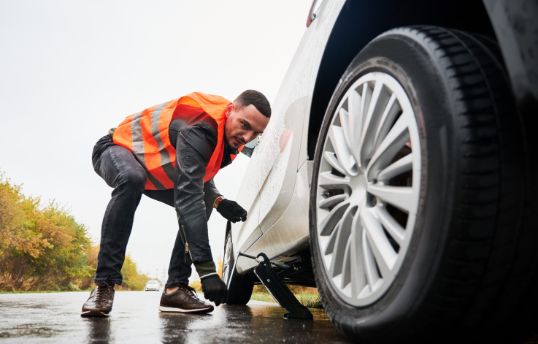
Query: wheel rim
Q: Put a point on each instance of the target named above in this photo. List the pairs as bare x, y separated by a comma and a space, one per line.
368, 188
228, 255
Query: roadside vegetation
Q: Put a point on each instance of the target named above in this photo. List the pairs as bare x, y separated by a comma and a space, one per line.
308, 297
44, 248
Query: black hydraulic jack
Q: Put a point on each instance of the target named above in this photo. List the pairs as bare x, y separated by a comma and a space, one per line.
273, 283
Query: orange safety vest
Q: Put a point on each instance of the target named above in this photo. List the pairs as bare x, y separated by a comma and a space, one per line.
146, 135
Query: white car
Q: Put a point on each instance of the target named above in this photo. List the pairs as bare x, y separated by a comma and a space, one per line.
152, 285
397, 173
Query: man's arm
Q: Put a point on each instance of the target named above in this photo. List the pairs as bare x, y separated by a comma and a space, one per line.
194, 145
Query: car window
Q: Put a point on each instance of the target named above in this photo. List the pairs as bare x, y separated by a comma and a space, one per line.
248, 149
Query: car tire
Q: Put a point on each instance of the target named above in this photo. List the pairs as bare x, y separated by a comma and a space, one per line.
239, 286
470, 257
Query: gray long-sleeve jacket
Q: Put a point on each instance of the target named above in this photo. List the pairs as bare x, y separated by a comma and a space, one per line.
192, 198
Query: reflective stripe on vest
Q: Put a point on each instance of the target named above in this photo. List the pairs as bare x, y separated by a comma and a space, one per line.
146, 135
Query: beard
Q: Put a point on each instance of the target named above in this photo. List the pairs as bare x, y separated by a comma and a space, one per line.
233, 142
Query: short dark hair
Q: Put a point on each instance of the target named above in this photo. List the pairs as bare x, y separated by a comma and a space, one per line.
255, 98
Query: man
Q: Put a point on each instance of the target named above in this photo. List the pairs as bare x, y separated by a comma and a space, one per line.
171, 152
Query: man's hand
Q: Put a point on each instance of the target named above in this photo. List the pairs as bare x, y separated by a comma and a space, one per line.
214, 289
232, 211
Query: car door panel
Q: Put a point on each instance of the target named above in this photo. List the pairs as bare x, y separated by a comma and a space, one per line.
272, 172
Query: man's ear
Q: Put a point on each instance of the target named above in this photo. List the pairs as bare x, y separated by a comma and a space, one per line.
229, 108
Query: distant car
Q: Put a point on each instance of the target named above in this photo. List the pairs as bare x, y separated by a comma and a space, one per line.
152, 285
398, 171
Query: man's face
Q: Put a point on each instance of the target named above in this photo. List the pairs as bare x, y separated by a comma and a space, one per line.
243, 124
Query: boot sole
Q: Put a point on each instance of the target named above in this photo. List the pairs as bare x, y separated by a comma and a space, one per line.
94, 314
181, 310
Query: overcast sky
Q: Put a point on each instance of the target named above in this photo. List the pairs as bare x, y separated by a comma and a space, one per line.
72, 69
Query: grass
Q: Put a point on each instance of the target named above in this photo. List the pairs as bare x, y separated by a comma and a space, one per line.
308, 297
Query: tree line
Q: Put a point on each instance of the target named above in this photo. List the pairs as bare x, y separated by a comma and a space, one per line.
44, 248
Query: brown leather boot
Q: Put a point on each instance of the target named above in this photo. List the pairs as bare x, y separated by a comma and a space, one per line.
183, 300
99, 304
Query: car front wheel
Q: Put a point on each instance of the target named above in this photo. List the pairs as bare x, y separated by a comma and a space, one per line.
419, 192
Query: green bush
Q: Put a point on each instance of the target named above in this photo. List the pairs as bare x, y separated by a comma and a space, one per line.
45, 248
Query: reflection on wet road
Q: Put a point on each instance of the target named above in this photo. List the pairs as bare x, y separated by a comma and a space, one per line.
55, 318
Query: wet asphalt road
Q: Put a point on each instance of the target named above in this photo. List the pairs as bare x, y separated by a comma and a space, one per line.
55, 318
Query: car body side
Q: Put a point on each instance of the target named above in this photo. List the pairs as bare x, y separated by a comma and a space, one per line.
276, 190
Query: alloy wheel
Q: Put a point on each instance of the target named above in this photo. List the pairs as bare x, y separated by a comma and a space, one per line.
368, 188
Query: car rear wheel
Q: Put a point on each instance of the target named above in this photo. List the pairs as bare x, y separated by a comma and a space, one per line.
239, 286
418, 202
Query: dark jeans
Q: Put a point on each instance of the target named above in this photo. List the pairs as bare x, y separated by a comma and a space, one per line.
121, 171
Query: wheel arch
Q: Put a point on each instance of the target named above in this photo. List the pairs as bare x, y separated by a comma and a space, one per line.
361, 21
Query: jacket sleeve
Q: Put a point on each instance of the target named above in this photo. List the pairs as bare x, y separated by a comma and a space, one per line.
211, 191
194, 145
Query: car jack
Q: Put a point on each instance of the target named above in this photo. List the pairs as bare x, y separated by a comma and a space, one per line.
273, 283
